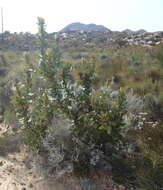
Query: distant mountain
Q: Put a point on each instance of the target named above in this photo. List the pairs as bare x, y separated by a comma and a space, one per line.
128, 31
77, 26
141, 31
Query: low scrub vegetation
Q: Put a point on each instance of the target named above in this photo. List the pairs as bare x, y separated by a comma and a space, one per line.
99, 115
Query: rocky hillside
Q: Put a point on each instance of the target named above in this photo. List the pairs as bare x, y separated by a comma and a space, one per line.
18, 41
78, 34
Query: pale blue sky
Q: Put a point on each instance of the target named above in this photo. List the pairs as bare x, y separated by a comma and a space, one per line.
21, 15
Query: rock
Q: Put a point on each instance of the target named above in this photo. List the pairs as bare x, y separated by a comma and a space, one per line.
121, 187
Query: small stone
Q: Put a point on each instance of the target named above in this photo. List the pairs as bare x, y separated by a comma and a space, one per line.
23, 188
121, 187
1, 163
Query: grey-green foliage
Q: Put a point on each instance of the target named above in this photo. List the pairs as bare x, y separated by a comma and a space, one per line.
134, 103
96, 117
